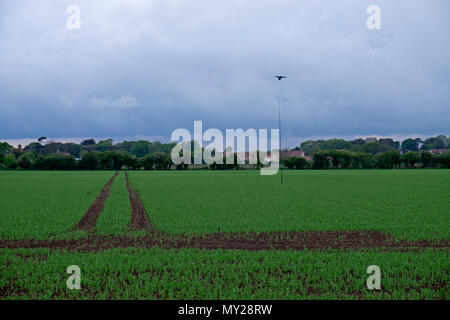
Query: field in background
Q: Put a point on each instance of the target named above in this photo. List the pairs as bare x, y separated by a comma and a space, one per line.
40, 204
410, 204
407, 204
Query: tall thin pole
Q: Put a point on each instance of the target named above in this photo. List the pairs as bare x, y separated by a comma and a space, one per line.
279, 137
279, 77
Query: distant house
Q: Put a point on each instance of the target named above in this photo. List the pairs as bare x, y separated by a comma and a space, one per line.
63, 153
296, 153
439, 151
368, 140
293, 153
247, 156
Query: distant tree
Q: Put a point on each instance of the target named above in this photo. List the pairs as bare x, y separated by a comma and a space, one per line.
90, 161
427, 158
410, 145
289, 162
4, 148
40, 139
147, 162
410, 158
321, 160
340, 159
26, 160
388, 159
88, 142
33, 147
10, 161
59, 162
361, 160
445, 140
335, 144
389, 142
161, 160
129, 160
51, 148
17, 152
104, 145
295, 162
345, 159
393, 145
433, 143
357, 142
140, 148
444, 159
311, 147
308, 146
124, 146
374, 147
39, 163
72, 148
111, 160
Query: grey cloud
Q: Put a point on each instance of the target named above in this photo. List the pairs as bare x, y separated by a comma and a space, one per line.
149, 67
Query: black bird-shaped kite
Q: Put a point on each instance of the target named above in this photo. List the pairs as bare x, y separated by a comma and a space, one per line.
280, 77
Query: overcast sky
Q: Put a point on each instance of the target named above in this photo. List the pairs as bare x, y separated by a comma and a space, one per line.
144, 68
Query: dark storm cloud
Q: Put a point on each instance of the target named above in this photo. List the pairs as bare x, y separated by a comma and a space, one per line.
149, 67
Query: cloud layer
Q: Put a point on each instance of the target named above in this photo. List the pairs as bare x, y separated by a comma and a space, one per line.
148, 67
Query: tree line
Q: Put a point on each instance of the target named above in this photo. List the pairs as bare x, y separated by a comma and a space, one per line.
342, 159
374, 146
134, 155
88, 155
139, 148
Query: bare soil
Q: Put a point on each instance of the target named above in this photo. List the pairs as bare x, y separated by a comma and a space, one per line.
312, 240
139, 218
89, 220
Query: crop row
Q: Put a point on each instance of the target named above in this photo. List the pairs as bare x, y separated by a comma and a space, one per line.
218, 274
115, 217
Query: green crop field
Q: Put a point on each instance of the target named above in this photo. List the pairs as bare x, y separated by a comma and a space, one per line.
36, 205
116, 214
409, 204
40, 209
218, 274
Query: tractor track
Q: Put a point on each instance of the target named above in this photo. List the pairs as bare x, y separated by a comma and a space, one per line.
89, 220
308, 240
139, 217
